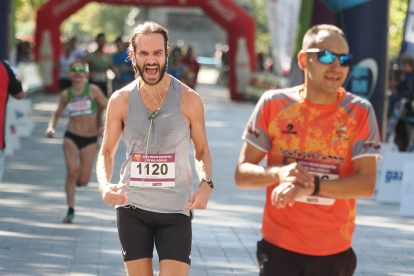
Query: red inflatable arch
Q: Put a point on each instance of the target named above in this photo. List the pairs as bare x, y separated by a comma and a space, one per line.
229, 15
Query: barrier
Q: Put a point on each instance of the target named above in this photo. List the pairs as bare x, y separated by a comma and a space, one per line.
407, 190
19, 123
390, 182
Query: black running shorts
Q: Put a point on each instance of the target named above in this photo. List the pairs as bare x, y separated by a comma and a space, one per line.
275, 261
137, 230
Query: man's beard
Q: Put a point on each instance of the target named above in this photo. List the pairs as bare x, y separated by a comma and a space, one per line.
160, 70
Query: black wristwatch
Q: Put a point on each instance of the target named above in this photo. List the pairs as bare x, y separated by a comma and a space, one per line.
208, 181
317, 185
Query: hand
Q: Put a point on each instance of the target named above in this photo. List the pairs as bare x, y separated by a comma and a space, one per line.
50, 132
287, 192
200, 198
101, 131
296, 174
110, 195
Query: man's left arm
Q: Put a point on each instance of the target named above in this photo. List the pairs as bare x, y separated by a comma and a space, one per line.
193, 110
359, 185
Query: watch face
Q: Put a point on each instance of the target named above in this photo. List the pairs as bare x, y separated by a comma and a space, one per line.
209, 181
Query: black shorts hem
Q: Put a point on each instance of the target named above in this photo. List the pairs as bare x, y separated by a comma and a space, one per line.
81, 141
139, 230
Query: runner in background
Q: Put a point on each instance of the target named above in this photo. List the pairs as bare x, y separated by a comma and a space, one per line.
64, 61
189, 59
322, 145
123, 66
80, 140
178, 69
99, 63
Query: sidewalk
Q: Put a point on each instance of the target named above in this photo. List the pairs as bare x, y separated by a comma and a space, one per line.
34, 241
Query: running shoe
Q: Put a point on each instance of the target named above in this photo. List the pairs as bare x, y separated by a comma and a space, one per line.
68, 218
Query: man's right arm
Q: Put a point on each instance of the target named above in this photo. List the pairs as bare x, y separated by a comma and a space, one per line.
250, 175
105, 165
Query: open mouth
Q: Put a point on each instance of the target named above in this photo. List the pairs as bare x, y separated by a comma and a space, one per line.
151, 71
332, 79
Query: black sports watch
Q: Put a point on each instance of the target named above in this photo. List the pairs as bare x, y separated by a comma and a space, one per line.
208, 181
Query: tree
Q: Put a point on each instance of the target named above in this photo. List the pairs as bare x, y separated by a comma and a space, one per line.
398, 11
257, 9
92, 19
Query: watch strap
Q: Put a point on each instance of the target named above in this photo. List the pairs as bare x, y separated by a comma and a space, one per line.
317, 185
208, 181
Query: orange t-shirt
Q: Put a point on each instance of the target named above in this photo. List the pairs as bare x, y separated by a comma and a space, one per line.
325, 139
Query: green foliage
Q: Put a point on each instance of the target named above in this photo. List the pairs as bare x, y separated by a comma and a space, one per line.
92, 19
398, 11
97, 18
258, 11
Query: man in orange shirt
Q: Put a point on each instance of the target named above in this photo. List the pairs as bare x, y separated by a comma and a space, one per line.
322, 145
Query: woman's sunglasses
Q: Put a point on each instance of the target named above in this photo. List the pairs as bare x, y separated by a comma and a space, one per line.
327, 57
77, 69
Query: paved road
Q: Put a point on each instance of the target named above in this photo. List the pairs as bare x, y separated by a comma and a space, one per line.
33, 241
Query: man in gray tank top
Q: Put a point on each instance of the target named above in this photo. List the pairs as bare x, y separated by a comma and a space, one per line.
158, 116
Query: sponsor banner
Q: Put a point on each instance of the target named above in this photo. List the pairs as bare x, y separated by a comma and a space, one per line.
407, 45
282, 21
407, 190
366, 22
390, 182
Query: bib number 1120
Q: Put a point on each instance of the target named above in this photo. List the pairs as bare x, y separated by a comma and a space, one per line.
156, 169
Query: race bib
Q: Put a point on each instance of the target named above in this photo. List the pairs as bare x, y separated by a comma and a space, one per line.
80, 106
158, 172
99, 77
322, 169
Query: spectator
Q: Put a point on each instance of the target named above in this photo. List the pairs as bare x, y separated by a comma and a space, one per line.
404, 86
179, 70
260, 62
64, 62
9, 85
124, 73
190, 60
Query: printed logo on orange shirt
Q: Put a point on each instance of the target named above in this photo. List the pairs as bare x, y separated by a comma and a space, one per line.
253, 131
372, 144
341, 133
289, 130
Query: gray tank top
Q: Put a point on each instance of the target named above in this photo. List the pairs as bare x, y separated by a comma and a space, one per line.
169, 146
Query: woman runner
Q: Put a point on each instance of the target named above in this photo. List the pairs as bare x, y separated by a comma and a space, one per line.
82, 100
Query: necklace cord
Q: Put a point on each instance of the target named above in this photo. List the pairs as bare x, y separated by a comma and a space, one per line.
146, 150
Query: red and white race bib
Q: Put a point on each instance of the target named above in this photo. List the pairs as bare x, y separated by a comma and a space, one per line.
158, 172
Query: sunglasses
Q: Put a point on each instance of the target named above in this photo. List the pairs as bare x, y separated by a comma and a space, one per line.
327, 57
77, 69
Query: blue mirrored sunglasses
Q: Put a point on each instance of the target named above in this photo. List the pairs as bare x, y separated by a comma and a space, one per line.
327, 57
77, 69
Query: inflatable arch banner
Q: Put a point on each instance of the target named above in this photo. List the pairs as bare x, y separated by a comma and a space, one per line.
228, 14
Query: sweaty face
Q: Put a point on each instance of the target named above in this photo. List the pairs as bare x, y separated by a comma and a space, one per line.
327, 77
151, 58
